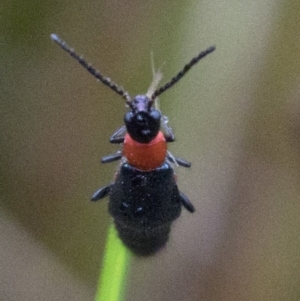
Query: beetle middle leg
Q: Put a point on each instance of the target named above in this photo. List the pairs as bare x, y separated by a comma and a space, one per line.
101, 193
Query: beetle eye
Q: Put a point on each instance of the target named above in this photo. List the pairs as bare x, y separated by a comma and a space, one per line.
155, 114
128, 117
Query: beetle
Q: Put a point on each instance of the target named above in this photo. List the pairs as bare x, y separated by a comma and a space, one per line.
144, 196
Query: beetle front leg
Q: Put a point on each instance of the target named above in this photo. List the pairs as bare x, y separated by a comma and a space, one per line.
168, 132
118, 135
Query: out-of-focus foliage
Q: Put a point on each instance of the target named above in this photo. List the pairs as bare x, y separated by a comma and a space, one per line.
235, 116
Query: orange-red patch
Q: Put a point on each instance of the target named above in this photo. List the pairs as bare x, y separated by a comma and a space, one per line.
145, 156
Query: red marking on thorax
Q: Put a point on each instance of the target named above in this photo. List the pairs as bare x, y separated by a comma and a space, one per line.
145, 156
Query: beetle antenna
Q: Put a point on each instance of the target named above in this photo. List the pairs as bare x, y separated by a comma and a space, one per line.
105, 80
181, 73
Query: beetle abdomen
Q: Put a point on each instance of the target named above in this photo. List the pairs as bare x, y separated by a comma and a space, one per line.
143, 241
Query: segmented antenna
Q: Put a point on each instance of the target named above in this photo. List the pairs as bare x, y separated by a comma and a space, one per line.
180, 74
105, 80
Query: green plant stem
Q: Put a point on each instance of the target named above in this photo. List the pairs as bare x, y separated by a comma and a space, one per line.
112, 279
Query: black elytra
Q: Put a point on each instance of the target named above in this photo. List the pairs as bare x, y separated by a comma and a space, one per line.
143, 203
143, 206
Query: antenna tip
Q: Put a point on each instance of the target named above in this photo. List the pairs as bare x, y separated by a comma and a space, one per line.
55, 37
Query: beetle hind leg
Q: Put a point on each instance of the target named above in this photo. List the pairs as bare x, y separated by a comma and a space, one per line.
186, 203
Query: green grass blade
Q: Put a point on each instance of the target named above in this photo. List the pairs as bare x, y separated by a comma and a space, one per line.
112, 280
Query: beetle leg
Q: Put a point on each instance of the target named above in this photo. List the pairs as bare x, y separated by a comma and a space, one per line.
118, 135
178, 161
186, 202
101, 193
168, 132
111, 158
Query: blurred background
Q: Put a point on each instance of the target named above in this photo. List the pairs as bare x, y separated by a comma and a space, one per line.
236, 117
